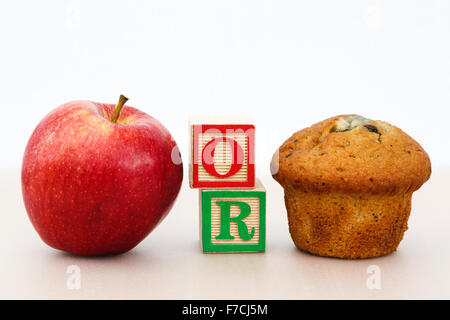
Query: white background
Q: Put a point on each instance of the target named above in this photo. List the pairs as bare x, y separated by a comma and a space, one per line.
286, 64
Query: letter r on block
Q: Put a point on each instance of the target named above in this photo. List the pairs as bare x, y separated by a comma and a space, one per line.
226, 219
233, 220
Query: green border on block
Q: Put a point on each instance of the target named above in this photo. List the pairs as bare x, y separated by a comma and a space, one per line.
207, 244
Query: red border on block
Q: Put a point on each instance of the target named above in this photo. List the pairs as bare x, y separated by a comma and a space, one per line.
202, 128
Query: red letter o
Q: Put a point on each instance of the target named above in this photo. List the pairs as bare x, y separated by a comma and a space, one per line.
208, 157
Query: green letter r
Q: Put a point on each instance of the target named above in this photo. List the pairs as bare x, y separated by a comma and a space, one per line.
226, 219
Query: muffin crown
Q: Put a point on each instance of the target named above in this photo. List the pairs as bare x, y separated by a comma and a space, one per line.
351, 154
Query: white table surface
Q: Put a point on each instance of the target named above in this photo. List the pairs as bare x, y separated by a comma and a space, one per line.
168, 264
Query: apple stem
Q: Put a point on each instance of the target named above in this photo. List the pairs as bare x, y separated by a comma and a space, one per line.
118, 108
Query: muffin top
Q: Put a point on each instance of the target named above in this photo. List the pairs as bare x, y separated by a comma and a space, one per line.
352, 155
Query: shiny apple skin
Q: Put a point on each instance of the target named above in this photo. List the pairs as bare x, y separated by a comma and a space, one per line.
94, 187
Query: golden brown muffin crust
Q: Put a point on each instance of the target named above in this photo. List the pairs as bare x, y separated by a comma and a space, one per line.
346, 226
373, 157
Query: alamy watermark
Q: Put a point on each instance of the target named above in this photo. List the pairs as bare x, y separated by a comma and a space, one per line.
373, 282
74, 279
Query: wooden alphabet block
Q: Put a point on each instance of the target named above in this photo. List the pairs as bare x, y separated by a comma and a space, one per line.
222, 153
233, 220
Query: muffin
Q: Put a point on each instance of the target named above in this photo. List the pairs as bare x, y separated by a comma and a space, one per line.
348, 183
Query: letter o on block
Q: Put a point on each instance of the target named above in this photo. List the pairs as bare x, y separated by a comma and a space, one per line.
237, 157
222, 156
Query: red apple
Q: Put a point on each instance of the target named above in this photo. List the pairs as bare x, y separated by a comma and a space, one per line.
98, 178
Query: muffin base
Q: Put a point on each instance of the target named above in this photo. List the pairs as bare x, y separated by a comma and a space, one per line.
347, 226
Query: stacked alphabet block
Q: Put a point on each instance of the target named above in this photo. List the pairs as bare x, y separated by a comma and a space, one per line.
232, 202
